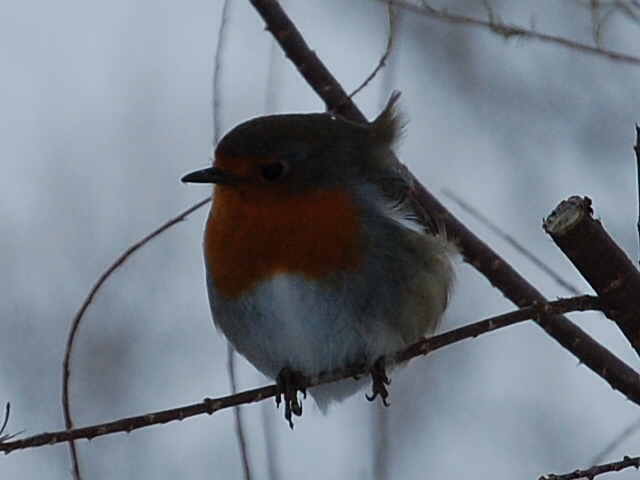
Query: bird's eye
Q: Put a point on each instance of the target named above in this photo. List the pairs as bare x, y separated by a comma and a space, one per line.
272, 172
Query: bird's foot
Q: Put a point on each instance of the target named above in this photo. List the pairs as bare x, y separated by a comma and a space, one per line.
288, 383
380, 380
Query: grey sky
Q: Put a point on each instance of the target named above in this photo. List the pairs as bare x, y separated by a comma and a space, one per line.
104, 105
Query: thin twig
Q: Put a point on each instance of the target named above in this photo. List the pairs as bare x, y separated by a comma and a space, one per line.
538, 262
388, 74
271, 98
306, 61
237, 414
4, 437
210, 406
271, 103
619, 440
596, 22
380, 434
270, 443
636, 148
590, 473
217, 68
5, 421
7, 410
508, 31
77, 319
534, 312
387, 51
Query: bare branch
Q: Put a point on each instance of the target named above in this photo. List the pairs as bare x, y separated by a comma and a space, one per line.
590, 473
602, 11
210, 406
636, 149
501, 275
6, 436
383, 59
217, 68
508, 31
512, 241
207, 406
535, 311
600, 261
380, 433
273, 79
619, 440
7, 411
307, 62
270, 443
237, 415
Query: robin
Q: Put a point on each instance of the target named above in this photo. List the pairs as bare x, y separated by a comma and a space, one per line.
317, 256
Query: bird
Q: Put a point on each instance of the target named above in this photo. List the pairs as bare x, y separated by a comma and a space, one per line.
317, 255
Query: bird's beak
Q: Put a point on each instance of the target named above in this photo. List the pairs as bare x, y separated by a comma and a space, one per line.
208, 175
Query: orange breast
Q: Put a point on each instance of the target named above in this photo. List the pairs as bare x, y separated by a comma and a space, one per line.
247, 241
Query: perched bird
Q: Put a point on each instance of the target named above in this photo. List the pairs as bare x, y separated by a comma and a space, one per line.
317, 256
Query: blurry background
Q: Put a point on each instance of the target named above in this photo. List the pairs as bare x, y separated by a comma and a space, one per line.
104, 105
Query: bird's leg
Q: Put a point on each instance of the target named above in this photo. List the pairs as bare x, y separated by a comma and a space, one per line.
288, 383
379, 380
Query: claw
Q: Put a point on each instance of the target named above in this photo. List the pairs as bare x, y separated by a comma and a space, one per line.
288, 383
380, 380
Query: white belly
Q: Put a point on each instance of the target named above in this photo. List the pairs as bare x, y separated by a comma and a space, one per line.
289, 321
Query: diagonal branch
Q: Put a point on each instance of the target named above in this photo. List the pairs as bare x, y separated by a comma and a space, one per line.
501, 275
306, 61
210, 406
521, 249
